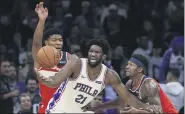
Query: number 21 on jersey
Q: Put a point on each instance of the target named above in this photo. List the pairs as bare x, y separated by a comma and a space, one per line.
80, 99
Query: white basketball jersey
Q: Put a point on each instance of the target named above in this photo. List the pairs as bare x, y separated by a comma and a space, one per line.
87, 89
72, 95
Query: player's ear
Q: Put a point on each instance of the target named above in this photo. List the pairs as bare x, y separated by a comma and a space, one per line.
46, 42
104, 57
140, 69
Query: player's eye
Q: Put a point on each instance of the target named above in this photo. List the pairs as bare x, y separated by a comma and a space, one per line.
53, 39
60, 39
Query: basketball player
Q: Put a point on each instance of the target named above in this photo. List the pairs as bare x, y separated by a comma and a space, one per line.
86, 78
52, 37
144, 88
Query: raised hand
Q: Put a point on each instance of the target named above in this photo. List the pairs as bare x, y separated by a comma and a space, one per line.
41, 11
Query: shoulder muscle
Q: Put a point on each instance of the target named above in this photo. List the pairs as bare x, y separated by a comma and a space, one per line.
112, 77
151, 87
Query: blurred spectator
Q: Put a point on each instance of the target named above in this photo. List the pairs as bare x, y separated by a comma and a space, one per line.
78, 53
74, 37
118, 58
174, 89
175, 13
7, 93
149, 29
173, 58
25, 104
74, 47
97, 100
114, 26
3, 51
26, 66
167, 39
154, 61
110, 94
14, 84
144, 46
32, 91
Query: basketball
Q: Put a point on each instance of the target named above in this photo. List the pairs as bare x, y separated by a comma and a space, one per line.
48, 57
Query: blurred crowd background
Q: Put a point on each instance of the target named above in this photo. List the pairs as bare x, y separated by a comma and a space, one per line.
153, 28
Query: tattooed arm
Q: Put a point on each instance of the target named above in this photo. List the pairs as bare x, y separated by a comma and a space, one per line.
150, 92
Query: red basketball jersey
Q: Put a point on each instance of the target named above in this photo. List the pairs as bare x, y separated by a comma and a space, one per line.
166, 104
46, 92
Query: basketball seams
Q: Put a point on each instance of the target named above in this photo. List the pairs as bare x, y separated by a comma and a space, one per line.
47, 57
41, 62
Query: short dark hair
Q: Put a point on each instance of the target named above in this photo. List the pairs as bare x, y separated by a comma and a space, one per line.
175, 72
142, 59
4, 60
99, 42
23, 95
30, 78
51, 31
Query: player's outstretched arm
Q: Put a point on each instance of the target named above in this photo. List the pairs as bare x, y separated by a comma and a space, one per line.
62, 75
130, 99
113, 104
117, 103
38, 34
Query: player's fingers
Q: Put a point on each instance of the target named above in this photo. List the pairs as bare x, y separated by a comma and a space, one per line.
41, 4
36, 8
127, 108
46, 9
124, 111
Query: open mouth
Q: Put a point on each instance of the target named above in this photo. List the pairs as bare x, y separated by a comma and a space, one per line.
93, 59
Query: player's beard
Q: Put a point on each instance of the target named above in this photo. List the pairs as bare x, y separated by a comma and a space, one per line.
94, 64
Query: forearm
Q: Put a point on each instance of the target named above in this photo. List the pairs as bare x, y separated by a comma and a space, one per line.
38, 34
47, 83
108, 105
10, 94
53, 81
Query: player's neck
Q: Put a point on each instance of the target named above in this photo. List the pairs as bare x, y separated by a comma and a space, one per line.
137, 79
92, 70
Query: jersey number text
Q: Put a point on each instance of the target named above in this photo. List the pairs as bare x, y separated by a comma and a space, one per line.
80, 99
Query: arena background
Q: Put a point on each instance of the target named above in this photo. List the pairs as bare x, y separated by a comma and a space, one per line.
153, 28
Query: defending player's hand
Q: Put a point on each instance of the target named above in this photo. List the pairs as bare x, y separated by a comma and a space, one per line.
41, 11
128, 110
42, 78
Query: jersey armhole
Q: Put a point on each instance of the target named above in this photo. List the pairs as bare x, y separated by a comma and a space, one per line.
81, 69
103, 81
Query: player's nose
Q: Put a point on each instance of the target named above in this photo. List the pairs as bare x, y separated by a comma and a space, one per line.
58, 42
127, 67
93, 53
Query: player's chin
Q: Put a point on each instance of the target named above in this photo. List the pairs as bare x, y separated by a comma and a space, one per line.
93, 64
